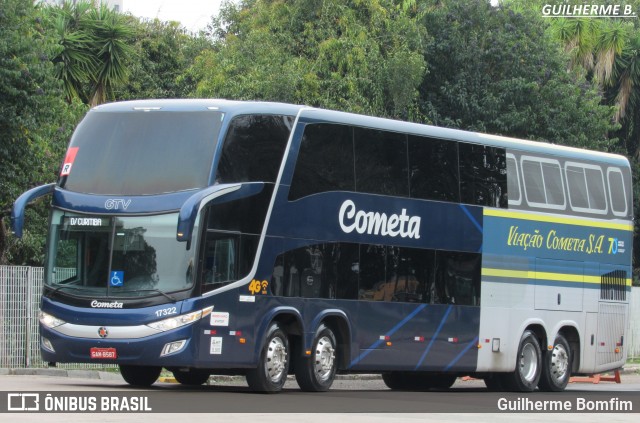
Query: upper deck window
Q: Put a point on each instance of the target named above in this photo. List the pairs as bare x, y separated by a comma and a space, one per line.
141, 153
617, 193
586, 188
253, 148
543, 185
325, 161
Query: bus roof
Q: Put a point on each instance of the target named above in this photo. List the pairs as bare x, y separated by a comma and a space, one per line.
233, 108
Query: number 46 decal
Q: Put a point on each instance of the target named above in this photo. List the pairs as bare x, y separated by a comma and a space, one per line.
257, 286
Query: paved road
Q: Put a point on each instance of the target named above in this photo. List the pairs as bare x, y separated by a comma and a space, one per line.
350, 400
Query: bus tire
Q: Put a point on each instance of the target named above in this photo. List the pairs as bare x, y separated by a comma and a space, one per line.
418, 381
556, 367
494, 382
140, 375
528, 366
191, 378
273, 364
317, 372
396, 381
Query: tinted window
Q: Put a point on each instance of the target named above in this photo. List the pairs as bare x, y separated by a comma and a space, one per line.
434, 169
137, 153
457, 278
617, 192
533, 183
483, 175
325, 161
381, 162
378, 273
253, 148
317, 271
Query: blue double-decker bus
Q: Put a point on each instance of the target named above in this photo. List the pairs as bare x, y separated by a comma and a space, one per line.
265, 239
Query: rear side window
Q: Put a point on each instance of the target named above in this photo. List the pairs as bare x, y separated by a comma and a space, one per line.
543, 183
617, 192
513, 181
586, 188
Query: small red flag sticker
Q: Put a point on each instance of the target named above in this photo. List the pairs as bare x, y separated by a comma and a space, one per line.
68, 161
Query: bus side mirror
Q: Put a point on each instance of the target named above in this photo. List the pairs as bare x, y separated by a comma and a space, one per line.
19, 206
191, 207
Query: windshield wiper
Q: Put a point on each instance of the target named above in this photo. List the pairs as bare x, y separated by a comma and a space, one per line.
171, 298
175, 300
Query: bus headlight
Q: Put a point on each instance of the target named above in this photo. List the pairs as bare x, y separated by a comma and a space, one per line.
179, 321
50, 321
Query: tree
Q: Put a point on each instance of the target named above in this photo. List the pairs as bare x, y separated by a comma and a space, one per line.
496, 69
162, 51
95, 51
356, 56
35, 122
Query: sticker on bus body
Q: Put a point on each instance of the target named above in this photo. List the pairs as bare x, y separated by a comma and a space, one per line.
216, 345
219, 318
68, 161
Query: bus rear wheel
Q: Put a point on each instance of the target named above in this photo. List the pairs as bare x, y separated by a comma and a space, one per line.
273, 364
191, 378
556, 369
528, 366
317, 372
418, 381
140, 375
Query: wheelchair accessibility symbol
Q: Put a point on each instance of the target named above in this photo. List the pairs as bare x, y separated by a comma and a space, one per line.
116, 278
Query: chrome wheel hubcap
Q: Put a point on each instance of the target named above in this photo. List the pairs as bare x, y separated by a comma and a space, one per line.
276, 359
325, 358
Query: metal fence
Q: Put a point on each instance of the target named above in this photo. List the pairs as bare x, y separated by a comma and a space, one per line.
20, 290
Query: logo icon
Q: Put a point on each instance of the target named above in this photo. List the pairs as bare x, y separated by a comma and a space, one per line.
103, 332
23, 402
116, 278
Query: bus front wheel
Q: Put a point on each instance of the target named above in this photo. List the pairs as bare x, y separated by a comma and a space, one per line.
556, 368
191, 378
273, 364
528, 366
315, 373
140, 375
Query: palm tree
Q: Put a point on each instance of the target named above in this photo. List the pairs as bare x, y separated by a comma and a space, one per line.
94, 50
110, 36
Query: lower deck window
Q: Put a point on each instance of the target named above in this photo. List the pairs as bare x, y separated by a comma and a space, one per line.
378, 273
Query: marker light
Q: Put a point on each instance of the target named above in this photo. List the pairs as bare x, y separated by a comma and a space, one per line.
46, 344
173, 347
50, 321
179, 321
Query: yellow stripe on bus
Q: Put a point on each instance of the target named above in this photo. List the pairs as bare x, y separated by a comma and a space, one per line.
627, 226
548, 276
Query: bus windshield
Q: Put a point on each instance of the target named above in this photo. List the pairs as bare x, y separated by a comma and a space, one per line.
117, 256
141, 153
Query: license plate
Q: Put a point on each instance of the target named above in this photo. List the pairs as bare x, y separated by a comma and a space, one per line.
103, 353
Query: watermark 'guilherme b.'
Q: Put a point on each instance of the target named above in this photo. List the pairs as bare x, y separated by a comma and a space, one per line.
588, 11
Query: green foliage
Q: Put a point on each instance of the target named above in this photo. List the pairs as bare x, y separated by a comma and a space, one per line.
35, 122
93, 51
496, 70
162, 52
359, 56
